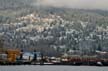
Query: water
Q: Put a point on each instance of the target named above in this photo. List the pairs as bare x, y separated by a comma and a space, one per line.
52, 68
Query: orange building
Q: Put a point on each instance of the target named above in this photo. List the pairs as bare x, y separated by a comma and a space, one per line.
12, 55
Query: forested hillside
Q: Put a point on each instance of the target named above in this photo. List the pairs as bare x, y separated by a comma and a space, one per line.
52, 30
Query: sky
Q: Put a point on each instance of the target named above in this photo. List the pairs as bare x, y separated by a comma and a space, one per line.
85, 4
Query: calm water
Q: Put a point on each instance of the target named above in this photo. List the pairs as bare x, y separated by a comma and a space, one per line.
52, 68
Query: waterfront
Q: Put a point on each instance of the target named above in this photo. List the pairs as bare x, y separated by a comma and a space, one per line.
52, 68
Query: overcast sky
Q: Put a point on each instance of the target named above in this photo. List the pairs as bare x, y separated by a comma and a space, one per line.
91, 4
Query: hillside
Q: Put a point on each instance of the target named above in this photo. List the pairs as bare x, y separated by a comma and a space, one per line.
52, 30
11, 4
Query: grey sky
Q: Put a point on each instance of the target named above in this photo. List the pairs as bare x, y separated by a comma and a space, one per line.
91, 4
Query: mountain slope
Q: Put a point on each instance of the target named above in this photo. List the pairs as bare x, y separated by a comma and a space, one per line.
52, 30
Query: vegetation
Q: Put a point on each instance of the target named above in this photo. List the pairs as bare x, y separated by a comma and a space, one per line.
80, 30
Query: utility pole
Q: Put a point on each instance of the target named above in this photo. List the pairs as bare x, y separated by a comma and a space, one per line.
42, 59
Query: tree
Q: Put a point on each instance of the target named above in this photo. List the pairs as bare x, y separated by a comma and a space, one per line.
1, 44
99, 48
